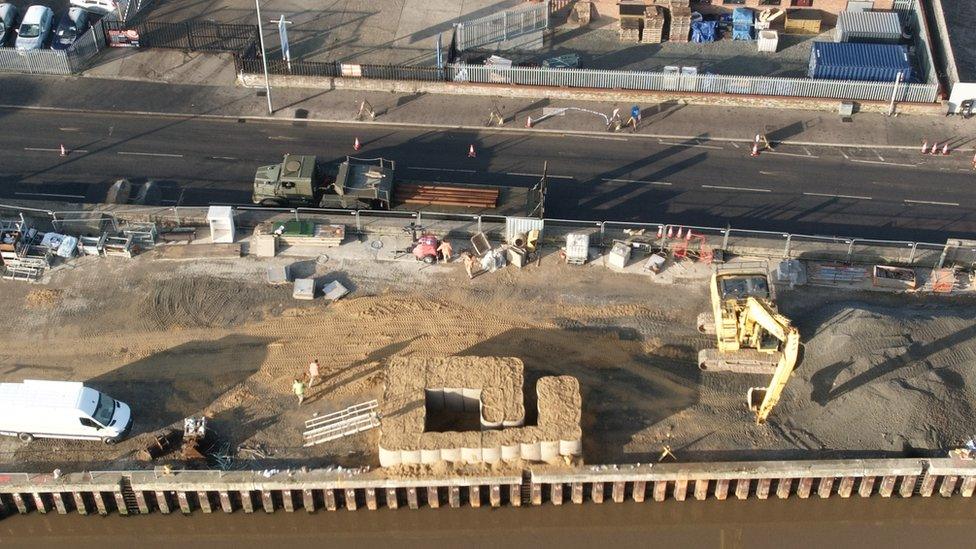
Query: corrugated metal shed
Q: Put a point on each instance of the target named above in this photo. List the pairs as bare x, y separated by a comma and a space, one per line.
521, 225
868, 26
853, 61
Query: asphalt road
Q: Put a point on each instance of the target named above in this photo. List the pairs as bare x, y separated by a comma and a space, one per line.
805, 190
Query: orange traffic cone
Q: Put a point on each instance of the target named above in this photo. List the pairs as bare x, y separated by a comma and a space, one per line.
925, 146
945, 149
356, 146
528, 121
64, 152
660, 231
471, 153
755, 150
681, 231
688, 236
671, 229
935, 148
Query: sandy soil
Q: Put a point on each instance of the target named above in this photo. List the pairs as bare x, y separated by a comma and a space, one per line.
881, 374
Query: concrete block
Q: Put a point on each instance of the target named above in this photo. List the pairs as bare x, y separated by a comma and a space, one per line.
288, 500
278, 275
618, 490
308, 500
577, 492
350, 497
638, 491
412, 498
225, 504
660, 490
783, 488
742, 488
267, 501
556, 493
907, 487
867, 487
22, 505
120, 505
825, 487
762, 488
495, 495
596, 492
40, 502
536, 493
928, 485
968, 486
265, 245
511, 452
59, 504
330, 499
845, 487
162, 502
701, 489
887, 486
804, 487
454, 496
433, 497
247, 501
549, 451
204, 498
948, 485
184, 502
721, 489
141, 502
474, 496
681, 489
515, 495
392, 498
304, 288
371, 499
81, 506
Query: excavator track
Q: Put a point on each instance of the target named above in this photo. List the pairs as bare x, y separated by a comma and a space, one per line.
706, 323
743, 361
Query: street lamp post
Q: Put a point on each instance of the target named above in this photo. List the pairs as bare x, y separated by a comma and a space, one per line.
264, 57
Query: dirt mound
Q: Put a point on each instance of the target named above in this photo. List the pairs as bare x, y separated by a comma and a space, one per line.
43, 298
199, 302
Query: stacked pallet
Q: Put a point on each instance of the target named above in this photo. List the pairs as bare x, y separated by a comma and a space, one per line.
680, 21
630, 30
653, 25
438, 195
304, 233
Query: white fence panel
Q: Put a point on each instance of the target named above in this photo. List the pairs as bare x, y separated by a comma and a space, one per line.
502, 26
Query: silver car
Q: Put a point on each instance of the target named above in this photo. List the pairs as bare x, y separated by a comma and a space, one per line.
8, 16
34, 28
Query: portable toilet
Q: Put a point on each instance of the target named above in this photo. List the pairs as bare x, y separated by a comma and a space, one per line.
221, 219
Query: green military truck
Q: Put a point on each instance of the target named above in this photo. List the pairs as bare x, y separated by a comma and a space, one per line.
299, 180
371, 184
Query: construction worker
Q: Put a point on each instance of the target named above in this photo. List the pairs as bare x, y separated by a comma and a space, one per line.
299, 388
313, 372
469, 264
635, 117
445, 250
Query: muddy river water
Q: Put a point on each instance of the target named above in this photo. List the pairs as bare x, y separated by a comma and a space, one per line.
752, 524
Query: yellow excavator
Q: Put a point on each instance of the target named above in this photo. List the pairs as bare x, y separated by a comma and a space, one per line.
752, 336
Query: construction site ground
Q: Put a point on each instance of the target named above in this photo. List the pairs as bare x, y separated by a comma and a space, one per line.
881, 374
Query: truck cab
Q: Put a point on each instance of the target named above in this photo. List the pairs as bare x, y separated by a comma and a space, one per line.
294, 181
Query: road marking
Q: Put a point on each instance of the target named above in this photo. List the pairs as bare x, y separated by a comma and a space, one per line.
876, 153
662, 183
70, 129
844, 154
282, 138
790, 154
223, 158
690, 145
734, 144
442, 170
600, 137
882, 163
36, 149
851, 196
52, 195
933, 203
540, 175
808, 151
151, 154
750, 189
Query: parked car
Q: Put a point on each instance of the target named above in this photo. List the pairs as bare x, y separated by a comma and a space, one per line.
61, 409
8, 16
101, 7
72, 25
35, 28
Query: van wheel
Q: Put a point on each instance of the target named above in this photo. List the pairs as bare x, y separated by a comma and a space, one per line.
25, 437
272, 203
109, 440
429, 259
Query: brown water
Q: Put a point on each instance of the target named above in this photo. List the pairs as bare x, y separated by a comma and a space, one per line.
752, 524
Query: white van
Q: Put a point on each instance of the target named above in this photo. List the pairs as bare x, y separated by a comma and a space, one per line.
61, 409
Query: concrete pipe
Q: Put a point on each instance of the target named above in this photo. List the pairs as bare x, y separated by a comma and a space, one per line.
549, 451
570, 447
471, 455
451, 454
430, 457
471, 400
454, 399
491, 454
531, 451
435, 398
389, 458
511, 452
410, 457
490, 424
514, 422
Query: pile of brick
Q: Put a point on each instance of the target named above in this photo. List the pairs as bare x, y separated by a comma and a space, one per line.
680, 21
653, 25
630, 30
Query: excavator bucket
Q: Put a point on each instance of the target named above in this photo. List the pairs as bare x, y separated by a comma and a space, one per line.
755, 397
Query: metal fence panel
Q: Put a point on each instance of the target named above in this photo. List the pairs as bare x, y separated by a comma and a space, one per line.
86, 47
709, 83
35, 61
502, 26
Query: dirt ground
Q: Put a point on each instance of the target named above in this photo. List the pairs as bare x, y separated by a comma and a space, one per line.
881, 374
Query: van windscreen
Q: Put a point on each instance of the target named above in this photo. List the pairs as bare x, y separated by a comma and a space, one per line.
104, 409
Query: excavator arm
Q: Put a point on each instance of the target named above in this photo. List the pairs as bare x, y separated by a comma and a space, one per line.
762, 400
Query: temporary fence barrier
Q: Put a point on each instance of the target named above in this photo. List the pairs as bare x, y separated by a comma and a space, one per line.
701, 83
509, 24
742, 242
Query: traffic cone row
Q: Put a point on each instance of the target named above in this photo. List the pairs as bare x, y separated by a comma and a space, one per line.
935, 148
